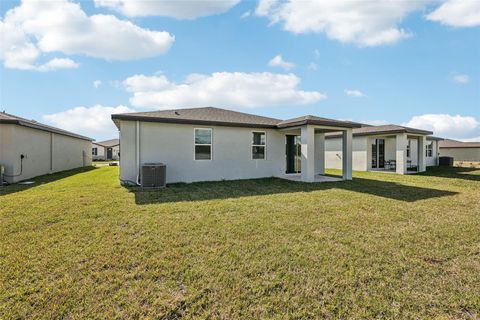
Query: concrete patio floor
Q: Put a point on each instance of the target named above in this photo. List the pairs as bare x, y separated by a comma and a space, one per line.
318, 178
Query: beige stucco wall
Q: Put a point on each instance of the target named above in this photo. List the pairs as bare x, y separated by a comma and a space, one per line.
173, 144
461, 154
334, 153
44, 152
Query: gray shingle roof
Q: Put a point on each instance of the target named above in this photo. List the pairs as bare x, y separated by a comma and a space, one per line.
109, 143
223, 117
6, 118
317, 121
448, 143
384, 129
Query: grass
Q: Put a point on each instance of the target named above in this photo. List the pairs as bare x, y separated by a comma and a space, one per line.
77, 245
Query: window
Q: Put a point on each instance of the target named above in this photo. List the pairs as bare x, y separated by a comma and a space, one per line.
429, 149
258, 145
408, 148
203, 144
94, 151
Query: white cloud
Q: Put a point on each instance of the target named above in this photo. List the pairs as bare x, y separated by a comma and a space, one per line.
313, 66
37, 27
278, 61
97, 84
90, 121
179, 9
354, 93
365, 23
475, 139
457, 13
227, 89
445, 125
56, 64
246, 14
461, 78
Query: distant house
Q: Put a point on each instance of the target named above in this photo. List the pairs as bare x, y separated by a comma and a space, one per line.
106, 150
386, 148
203, 144
460, 151
29, 149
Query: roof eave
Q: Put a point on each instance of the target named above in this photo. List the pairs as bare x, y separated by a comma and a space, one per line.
116, 117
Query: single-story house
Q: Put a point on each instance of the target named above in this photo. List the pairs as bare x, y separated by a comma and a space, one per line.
106, 150
460, 151
386, 148
29, 149
206, 144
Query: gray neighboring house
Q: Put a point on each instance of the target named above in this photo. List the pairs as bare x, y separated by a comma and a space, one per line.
106, 150
390, 148
207, 144
460, 151
29, 149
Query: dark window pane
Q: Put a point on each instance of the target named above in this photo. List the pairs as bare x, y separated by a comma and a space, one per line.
203, 152
258, 152
259, 138
203, 136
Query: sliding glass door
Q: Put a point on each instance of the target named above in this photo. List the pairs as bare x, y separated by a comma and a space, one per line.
378, 153
293, 149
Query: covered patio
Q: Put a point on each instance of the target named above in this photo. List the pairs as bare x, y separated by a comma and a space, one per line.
305, 148
400, 153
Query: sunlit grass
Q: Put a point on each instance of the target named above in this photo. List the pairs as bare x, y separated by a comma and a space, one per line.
78, 245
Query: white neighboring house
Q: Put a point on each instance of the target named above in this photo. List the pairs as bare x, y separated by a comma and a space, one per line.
460, 151
206, 144
29, 149
386, 148
106, 150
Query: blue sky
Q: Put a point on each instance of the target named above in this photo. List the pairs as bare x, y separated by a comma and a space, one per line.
414, 63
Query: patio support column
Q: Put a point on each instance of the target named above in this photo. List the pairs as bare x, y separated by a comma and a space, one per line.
319, 153
308, 153
347, 154
422, 157
401, 155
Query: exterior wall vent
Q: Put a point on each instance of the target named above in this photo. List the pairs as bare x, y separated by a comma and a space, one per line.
153, 175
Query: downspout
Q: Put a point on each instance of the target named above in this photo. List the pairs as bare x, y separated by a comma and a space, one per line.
137, 150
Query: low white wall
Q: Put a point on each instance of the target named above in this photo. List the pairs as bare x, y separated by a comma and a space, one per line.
44, 152
334, 153
173, 144
461, 154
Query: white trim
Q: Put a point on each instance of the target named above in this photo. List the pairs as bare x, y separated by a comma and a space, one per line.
195, 144
258, 145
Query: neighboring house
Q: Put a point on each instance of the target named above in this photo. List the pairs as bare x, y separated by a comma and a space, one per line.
29, 149
106, 150
460, 151
386, 148
204, 144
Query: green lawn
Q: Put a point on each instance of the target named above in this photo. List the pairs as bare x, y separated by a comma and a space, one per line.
77, 245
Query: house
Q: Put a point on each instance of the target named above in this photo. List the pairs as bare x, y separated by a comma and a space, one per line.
29, 149
106, 150
205, 144
460, 151
386, 148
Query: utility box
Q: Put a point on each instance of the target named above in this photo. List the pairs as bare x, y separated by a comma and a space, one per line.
446, 161
153, 175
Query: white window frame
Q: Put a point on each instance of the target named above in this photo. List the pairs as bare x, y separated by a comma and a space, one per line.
203, 144
409, 148
429, 147
95, 151
259, 145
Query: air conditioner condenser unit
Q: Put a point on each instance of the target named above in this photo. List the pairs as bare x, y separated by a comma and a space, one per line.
153, 175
